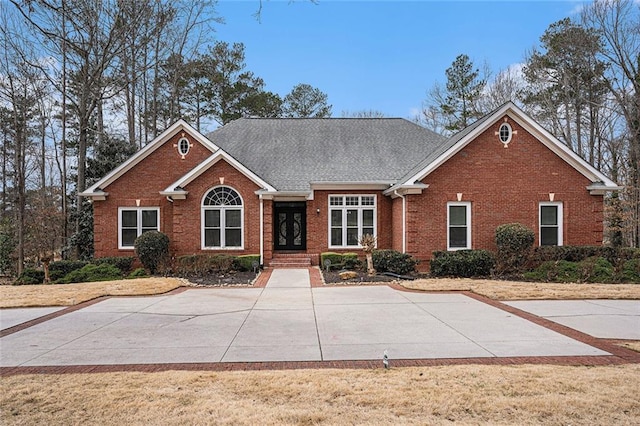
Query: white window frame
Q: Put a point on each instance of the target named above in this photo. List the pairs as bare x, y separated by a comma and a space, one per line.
560, 220
223, 218
188, 145
509, 129
344, 207
467, 205
139, 211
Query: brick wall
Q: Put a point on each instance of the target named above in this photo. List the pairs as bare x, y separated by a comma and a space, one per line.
142, 184
503, 185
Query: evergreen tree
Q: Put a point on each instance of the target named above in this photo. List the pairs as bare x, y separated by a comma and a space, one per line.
463, 91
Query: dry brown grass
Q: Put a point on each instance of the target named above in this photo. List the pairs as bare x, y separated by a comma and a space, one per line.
469, 394
516, 290
72, 294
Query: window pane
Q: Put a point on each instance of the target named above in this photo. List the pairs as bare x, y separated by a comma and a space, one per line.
367, 218
232, 219
549, 236
335, 201
367, 231
129, 219
129, 237
336, 236
352, 236
232, 238
548, 215
457, 215
458, 237
367, 201
150, 219
336, 217
212, 218
352, 201
212, 238
352, 217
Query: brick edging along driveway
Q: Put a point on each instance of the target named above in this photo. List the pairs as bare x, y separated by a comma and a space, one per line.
620, 355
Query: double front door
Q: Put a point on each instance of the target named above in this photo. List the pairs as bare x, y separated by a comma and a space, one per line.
290, 226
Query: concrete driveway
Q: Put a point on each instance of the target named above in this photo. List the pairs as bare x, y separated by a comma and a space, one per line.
285, 321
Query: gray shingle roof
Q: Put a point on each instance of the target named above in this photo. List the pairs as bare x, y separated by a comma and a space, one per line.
292, 153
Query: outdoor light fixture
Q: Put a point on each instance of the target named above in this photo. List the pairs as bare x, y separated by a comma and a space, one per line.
317, 211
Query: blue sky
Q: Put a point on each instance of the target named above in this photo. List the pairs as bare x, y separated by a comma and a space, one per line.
381, 55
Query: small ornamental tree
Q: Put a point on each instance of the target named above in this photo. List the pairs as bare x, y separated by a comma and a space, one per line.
368, 243
514, 242
152, 248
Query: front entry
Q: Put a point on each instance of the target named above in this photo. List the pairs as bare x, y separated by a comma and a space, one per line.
290, 226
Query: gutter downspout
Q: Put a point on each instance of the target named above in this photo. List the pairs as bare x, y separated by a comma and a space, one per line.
261, 230
404, 220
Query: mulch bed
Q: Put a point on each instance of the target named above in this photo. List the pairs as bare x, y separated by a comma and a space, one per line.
223, 279
333, 277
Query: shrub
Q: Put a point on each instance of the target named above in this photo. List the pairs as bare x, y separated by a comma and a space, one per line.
138, 273
335, 258
596, 270
124, 263
152, 248
617, 256
393, 261
245, 262
91, 272
61, 268
462, 263
514, 242
30, 276
351, 261
201, 264
631, 271
557, 271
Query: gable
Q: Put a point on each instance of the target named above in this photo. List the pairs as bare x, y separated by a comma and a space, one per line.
598, 183
160, 154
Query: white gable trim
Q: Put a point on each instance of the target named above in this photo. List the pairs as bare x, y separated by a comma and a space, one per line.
96, 189
536, 130
176, 188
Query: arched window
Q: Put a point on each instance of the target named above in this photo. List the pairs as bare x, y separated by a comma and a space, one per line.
222, 219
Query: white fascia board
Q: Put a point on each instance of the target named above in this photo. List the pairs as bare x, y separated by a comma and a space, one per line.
179, 125
542, 135
372, 185
95, 195
208, 163
599, 188
400, 190
285, 195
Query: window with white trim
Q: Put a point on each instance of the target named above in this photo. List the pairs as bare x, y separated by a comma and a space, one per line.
550, 222
183, 146
350, 217
134, 221
505, 133
222, 219
459, 225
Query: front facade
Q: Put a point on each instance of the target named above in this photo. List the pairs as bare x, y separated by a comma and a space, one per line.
307, 186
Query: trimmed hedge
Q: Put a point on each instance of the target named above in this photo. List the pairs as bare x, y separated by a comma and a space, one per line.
590, 270
138, 273
462, 263
514, 242
336, 260
201, 264
245, 262
615, 255
393, 261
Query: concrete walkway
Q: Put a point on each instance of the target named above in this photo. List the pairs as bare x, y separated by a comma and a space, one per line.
285, 321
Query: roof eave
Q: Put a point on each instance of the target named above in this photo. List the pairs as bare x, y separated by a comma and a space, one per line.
599, 188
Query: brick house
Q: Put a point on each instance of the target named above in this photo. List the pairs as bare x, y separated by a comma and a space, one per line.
287, 188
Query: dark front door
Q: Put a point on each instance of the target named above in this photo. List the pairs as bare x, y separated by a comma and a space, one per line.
290, 226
